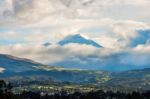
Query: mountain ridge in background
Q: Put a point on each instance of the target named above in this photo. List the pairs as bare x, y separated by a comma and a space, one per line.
78, 39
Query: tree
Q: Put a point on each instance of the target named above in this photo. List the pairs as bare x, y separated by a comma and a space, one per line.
3, 86
9, 87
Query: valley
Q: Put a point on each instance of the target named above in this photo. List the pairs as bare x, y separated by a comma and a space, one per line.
29, 75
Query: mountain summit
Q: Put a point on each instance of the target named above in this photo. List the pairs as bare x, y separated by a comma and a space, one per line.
78, 39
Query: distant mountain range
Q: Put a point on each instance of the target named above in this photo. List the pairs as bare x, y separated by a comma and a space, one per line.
18, 68
78, 39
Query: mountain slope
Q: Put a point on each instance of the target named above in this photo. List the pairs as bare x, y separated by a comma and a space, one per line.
15, 64
130, 80
77, 38
14, 67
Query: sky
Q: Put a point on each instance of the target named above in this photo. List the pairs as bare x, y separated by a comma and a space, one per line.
122, 27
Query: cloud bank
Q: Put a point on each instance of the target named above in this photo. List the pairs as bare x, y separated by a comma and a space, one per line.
83, 56
122, 27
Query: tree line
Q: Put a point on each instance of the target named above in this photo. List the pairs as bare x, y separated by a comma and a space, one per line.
6, 93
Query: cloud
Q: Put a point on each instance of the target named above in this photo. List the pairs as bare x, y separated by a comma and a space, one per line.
83, 56
2, 70
26, 12
126, 31
53, 53
54, 19
119, 33
114, 24
112, 33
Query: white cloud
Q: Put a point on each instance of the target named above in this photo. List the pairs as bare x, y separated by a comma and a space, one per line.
112, 33
54, 19
53, 53
34, 22
32, 11
82, 56
2, 70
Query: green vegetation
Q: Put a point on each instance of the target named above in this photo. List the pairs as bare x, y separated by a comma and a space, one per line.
51, 79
